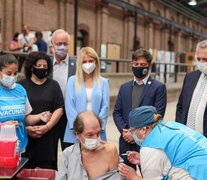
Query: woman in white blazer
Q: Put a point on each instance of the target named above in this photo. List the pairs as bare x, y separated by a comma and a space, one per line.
87, 90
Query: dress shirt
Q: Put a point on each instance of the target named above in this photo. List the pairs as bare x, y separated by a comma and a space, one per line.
143, 81
202, 105
60, 73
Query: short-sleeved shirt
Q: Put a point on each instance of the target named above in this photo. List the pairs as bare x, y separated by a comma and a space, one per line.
12, 107
44, 97
25, 39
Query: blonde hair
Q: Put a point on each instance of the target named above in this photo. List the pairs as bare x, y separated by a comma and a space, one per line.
157, 117
79, 71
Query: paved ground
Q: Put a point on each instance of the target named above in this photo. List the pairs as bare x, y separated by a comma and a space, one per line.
113, 133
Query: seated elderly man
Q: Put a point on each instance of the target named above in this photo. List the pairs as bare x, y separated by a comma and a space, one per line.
90, 158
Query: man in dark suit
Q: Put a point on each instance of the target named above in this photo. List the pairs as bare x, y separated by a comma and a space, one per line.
191, 107
141, 91
64, 66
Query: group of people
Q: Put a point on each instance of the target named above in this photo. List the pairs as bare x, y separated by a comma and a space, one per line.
168, 150
27, 42
46, 97
66, 98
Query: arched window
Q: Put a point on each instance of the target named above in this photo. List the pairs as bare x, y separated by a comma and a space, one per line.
82, 39
140, 5
158, 12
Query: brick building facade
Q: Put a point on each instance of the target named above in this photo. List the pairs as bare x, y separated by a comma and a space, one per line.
102, 22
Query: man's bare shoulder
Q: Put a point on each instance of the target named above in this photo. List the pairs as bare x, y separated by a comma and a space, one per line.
108, 147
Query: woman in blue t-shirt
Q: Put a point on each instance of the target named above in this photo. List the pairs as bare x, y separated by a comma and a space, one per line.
13, 98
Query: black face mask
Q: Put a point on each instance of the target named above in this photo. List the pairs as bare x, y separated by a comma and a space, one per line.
140, 72
40, 72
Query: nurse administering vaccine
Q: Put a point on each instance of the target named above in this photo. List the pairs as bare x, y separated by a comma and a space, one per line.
169, 150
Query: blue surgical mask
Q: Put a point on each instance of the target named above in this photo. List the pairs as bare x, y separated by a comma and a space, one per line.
61, 51
8, 81
137, 140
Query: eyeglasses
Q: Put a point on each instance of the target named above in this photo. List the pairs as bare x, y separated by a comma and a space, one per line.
132, 131
61, 43
203, 59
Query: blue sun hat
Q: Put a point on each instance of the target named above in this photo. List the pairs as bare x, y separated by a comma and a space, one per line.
142, 116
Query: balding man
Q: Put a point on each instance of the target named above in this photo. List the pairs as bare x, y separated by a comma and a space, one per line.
91, 158
64, 66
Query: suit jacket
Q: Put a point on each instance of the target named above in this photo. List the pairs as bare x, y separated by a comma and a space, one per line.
154, 94
61, 125
75, 102
189, 84
71, 66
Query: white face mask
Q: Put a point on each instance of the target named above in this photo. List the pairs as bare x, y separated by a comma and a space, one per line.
8, 81
88, 68
202, 67
91, 144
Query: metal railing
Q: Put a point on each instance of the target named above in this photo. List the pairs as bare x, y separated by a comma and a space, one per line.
160, 70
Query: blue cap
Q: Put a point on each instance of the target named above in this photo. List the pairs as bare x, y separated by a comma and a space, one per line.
142, 116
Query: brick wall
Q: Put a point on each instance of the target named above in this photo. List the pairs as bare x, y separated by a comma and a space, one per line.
106, 23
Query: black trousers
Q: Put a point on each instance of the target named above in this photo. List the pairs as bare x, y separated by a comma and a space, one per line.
124, 147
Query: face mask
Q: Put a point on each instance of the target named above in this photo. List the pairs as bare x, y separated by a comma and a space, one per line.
91, 144
61, 51
88, 67
40, 72
137, 140
140, 72
202, 67
8, 81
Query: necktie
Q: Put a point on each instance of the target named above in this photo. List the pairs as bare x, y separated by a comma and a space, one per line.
195, 103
